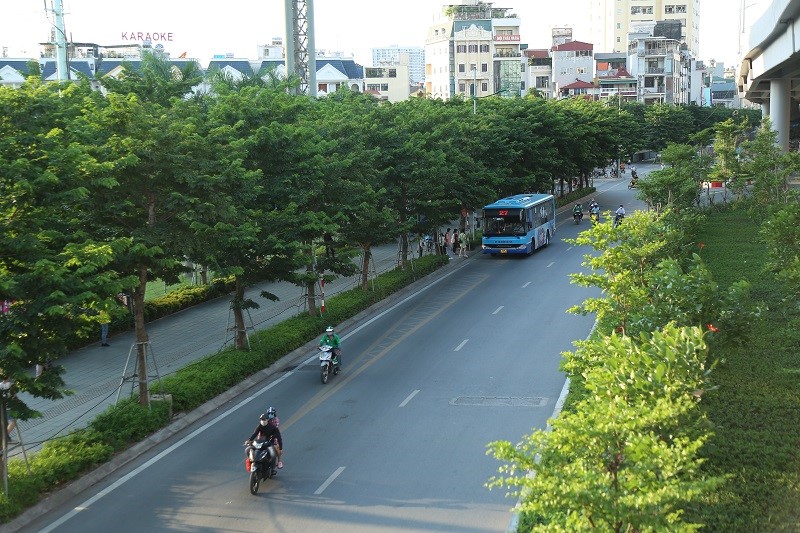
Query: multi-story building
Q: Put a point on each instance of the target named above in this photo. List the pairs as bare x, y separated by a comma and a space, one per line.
612, 20
572, 62
473, 50
538, 73
613, 81
656, 64
382, 57
390, 81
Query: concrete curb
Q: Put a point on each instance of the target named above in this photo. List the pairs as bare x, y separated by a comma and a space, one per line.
182, 421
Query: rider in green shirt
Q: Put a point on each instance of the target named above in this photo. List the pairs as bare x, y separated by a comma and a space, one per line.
332, 339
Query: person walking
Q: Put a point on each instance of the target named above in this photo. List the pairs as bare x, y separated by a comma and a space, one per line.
447, 242
105, 320
462, 244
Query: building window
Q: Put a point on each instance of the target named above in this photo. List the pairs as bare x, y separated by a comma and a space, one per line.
462, 87
485, 48
461, 68
542, 82
619, 26
580, 70
461, 48
392, 72
618, 39
473, 48
484, 86
484, 67
473, 66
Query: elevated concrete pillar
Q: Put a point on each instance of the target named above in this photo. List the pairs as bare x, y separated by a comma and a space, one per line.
765, 109
779, 101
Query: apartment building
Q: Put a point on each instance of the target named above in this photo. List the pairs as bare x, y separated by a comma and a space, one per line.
573, 62
473, 50
656, 63
538, 74
390, 81
390, 55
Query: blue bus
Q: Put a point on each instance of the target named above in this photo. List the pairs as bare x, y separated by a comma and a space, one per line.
519, 224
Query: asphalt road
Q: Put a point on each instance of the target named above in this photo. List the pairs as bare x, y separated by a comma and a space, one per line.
396, 442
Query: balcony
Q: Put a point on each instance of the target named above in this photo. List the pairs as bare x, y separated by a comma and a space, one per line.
654, 70
507, 53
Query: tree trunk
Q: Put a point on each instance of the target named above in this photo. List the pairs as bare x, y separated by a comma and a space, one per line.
404, 251
238, 315
311, 298
141, 336
367, 247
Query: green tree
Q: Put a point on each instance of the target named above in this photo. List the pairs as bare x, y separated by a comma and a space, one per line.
667, 124
678, 185
53, 271
766, 167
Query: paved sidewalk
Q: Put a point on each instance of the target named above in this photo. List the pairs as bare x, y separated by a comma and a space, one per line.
95, 373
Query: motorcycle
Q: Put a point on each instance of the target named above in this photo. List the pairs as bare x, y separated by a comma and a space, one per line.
595, 217
326, 363
260, 462
618, 220
577, 217
632, 184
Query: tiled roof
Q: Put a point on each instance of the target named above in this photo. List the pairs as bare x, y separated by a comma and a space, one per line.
578, 84
537, 53
242, 65
348, 67
20, 65
572, 46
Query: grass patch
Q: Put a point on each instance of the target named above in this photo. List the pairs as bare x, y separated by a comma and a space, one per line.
755, 409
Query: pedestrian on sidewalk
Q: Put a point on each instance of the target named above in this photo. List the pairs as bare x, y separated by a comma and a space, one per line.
105, 320
447, 240
456, 242
11, 421
462, 244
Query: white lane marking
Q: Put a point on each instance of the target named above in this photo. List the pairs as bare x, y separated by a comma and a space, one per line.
465, 341
551, 264
155, 459
236, 407
329, 481
526, 284
497, 310
408, 398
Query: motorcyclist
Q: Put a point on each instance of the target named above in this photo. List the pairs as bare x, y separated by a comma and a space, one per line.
332, 339
577, 210
594, 210
265, 432
272, 418
619, 214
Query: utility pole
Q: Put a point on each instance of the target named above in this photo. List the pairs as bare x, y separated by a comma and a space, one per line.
301, 57
61, 41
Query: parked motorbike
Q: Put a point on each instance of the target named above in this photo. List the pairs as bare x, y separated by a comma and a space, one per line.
577, 217
260, 462
326, 363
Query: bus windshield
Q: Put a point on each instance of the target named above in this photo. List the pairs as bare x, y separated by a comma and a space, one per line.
508, 222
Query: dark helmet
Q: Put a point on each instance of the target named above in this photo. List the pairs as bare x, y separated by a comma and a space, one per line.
271, 413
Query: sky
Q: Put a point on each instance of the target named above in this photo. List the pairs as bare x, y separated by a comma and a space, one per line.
204, 28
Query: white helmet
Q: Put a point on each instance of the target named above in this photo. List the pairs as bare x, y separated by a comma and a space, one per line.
329, 329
